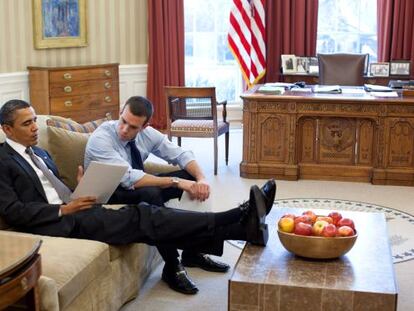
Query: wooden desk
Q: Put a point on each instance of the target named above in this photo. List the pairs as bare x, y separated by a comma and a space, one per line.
20, 270
271, 278
353, 137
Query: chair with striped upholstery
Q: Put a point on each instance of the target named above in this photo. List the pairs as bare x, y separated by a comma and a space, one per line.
192, 112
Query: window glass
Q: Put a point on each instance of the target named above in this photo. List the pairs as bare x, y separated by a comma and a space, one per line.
348, 26
208, 60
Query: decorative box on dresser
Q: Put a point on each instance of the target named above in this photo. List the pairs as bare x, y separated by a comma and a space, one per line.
82, 93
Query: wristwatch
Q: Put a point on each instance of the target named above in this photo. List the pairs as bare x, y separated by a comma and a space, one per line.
175, 181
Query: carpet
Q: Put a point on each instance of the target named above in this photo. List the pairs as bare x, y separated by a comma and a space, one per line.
400, 224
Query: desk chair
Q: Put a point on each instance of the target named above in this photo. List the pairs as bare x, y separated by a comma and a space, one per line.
192, 112
342, 69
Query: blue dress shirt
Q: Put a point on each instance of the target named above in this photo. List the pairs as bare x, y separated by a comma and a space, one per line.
104, 145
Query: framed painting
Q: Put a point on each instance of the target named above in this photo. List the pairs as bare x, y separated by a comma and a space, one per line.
59, 23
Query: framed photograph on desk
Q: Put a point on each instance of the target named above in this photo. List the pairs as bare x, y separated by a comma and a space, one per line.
313, 65
379, 69
400, 68
288, 63
302, 64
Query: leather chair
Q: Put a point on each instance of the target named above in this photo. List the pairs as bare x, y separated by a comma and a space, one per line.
342, 69
192, 112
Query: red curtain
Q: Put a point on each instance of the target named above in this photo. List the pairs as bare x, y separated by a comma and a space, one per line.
396, 31
291, 28
166, 53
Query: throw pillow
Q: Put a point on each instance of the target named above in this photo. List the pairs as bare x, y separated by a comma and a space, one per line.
73, 126
67, 149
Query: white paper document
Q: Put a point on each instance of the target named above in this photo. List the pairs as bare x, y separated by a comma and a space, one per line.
100, 180
191, 205
384, 94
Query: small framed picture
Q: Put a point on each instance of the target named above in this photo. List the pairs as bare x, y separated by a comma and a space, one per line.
400, 68
379, 69
289, 63
302, 64
313, 65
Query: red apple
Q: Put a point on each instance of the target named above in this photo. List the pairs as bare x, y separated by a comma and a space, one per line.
346, 222
336, 216
329, 230
311, 214
303, 218
325, 218
286, 224
345, 231
302, 228
289, 215
318, 227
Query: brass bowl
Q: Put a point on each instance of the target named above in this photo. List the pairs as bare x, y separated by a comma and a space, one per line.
315, 246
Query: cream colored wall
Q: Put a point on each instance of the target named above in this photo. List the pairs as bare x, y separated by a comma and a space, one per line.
117, 33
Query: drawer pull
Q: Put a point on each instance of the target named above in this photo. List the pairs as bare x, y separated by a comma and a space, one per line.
108, 73
67, 76
68, 103
108, 99
107, 85
67, 89
24, 283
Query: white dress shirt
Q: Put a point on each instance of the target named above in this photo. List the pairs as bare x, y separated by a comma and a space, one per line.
51, 194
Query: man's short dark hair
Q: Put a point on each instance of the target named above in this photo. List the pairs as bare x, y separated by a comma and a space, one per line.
140, 106
8, 110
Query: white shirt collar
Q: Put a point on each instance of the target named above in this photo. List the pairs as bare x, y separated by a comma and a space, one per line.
19, 148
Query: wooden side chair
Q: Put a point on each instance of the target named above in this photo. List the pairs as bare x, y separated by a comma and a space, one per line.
192, 112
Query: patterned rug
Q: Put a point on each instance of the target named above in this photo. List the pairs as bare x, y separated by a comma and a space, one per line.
400, 224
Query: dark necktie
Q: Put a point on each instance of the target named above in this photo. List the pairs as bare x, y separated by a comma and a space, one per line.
135, 156
62, 190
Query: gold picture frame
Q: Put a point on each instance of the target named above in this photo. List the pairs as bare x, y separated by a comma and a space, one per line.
59, 24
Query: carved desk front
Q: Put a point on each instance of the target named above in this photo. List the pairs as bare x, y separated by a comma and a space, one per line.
350, 136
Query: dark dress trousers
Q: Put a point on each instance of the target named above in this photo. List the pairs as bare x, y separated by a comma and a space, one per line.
23, 205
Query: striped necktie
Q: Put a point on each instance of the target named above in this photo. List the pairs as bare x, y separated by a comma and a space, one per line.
62, 190
136, 160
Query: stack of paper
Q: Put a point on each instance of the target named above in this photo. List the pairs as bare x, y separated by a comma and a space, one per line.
328, 89
271, 90
377, 88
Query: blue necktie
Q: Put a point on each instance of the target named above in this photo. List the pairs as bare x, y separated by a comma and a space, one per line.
62, 190
135, 156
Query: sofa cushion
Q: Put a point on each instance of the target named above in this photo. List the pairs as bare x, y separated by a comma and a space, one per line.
67, 149
73, 264
71, 125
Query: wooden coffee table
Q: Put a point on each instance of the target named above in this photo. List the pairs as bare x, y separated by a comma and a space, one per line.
271, 278
20, 269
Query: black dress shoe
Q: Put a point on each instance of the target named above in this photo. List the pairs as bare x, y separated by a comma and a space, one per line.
204, 262
255, 226
269, 190
178, 280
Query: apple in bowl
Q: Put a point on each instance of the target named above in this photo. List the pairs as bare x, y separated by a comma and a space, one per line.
303, 228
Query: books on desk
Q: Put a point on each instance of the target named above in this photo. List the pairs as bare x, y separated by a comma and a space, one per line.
327, 89
271, 89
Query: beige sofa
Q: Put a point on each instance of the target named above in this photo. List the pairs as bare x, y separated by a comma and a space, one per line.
81, 274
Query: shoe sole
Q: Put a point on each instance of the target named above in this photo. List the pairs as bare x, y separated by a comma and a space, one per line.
191, 265
269, 203
262, 234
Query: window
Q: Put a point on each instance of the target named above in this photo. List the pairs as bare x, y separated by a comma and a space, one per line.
208, 60
348, 26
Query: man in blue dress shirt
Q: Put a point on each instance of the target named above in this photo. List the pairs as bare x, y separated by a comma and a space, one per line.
115, 141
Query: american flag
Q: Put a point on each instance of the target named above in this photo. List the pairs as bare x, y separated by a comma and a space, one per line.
246, 38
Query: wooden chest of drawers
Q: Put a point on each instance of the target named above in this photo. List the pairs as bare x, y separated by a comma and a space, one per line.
82, 93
